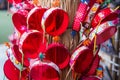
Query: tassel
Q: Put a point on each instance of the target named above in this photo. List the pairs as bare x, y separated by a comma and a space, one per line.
56, 3
56, 38
36, 2
87, 42
20, 75
7, 44
95, 36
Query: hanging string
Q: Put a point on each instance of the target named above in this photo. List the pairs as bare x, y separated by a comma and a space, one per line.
94, 49
48, 37
43, 27
95, 36
20, 76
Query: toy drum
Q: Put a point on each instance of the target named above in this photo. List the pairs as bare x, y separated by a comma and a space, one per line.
32, 43
44, 71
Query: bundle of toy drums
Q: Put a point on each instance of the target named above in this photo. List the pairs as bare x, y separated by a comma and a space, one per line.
32, 55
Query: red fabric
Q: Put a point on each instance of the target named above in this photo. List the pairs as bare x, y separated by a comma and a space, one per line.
18, 55
12, 73
43, 72
58, 54
33, 45
57, 22
19, 20
80, 16
34, 18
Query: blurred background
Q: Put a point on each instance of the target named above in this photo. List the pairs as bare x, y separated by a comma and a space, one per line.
6, 26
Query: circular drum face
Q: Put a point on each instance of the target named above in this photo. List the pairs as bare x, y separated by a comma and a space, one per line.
58, 54
81, 59
19, 20
32, 43
103, 32
44, 71
34, 18
12, 72
55, 21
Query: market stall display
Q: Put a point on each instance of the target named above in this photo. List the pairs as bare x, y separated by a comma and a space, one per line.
37, 50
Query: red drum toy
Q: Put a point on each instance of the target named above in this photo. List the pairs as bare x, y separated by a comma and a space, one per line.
34, 18
32, 43
45, 70
19, 20
55, 21
19, 57
104, 31
92, 12
58, 54
81, 59
12, 68
104, 15
80, 16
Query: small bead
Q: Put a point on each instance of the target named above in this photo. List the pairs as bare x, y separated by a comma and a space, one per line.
41, 56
